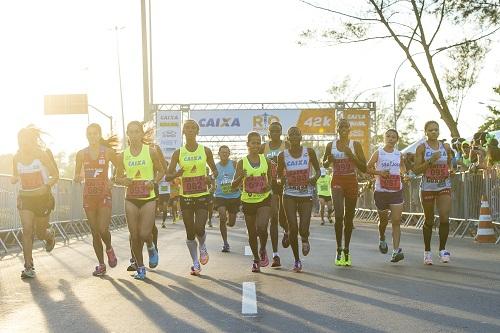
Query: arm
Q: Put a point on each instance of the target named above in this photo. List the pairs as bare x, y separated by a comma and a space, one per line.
78, 167
171, 173
15, 174
327, 156
315, 164
211, 163
51, 166
121, 177
420, 164
261, 149
157, 165
281, 167
370, 167
238, 175
52, 160
269, 176
358, 157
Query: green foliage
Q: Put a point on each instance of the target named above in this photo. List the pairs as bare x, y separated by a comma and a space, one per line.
483, 11
492, 122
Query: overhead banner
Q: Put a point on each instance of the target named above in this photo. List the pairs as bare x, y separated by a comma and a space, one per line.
169, 131
360, 127
241, 122
65, 104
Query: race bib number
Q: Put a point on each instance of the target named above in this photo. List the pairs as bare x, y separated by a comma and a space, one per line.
297, 178
391, 182
31, 181
164, 188
343, 166
324, 187
437, 173
226, 188
255, 184
138, 189
94, 186
194, 185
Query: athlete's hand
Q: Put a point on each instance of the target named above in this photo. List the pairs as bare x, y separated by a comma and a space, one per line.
435, 156
150, 184
384, 173
348, 151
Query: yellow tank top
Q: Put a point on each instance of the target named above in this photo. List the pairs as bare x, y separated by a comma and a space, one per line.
323, 185
255, 181
194, 178
140, 169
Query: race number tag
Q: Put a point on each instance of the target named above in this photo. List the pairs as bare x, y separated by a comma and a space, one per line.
324, 187
255, 184
226, 188
163, 188
31, 181
437, 173
297, 178
94, 186
391, 182
343, 166
138, 189
194, 185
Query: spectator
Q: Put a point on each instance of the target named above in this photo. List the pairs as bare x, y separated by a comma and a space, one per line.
492, 153
409, 160
464, 162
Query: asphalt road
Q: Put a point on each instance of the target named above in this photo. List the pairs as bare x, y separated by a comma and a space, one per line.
372, 296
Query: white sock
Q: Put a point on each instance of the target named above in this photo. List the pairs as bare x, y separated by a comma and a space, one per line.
275, 254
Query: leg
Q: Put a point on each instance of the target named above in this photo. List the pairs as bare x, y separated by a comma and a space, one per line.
396, 211
273, 229
330, 210
305, 210
350, 207
290, 207
322, 210
154, 234
132, 213
188, 219
104, 219
27, 218
93, 221
252, 235
200, 218
383, 216
223, 223
444, 207
428, 206
262, 221
338, 204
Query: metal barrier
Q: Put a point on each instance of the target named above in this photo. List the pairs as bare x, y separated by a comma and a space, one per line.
467, 189
68, 218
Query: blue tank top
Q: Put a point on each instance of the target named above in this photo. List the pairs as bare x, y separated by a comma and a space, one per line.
223, 181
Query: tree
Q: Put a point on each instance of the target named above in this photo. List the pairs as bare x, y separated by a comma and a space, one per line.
492, 122
415, 26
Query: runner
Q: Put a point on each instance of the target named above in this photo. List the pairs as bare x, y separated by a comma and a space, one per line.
164, 199
433, 161
346, 156
174, 199
194, 196
254, 173
35, 168
227, 201
271, 151
139, 169
211, 191
387, 165
323, 187
95, 161
296, 162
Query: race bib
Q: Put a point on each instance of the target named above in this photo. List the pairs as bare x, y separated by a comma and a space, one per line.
391, 182
324, 187
255, 184
297, 178
164, 188
226, 188
194, 185
437, 173
31, 181
94, 186
343, 166
138, 189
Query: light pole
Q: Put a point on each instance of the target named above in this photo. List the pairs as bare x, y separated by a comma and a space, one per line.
117, 29
374, 88
105, 115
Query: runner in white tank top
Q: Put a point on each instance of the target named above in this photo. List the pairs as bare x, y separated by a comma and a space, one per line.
387, 165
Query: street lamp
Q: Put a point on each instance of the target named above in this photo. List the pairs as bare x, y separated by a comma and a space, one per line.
117, 29
105, 115
374, 88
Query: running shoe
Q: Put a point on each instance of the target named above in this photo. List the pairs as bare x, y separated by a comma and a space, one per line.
347, 259
163, 225
306, 247
203, 254
140, 274
225, 248
382, 247
322, 222
132, 267
285, 242
51, 241
255, 266
195, 269
330, 220
276, 262
397, 255
339, 258
112, 260
428, 257
445, 256
100, 270
28, 273
264, 259
153, 258
297, 267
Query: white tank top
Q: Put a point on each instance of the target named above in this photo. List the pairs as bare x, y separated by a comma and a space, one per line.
342, 165
163, 186
392, 163
298, 171
437, 176
33, 176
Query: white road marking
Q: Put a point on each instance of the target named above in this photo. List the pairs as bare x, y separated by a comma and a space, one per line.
249, 299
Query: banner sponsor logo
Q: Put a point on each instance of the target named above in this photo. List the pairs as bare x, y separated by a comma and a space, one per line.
261, 122
360, 127
169, 131
219, 122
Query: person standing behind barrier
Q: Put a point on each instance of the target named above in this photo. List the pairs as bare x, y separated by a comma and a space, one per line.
323, 186
294, 169
227, 200
271, 150
388, 166
193, 159
139, 169
346, 156
433, 161
97, 191
34, 167
254, 172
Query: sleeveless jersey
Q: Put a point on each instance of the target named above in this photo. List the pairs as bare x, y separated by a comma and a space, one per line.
140, 169
437, 176
298, 171
255, 181
392, 163
194, 178
33, 176
224, 180
272, 155
323, 186
96, 173
342, 165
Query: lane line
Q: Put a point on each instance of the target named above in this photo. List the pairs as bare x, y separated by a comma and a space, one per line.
248, 299
248, 251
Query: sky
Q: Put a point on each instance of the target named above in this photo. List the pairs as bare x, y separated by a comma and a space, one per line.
204, 51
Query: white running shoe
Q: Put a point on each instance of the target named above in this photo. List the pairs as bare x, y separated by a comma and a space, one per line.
428, 257
445, 256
